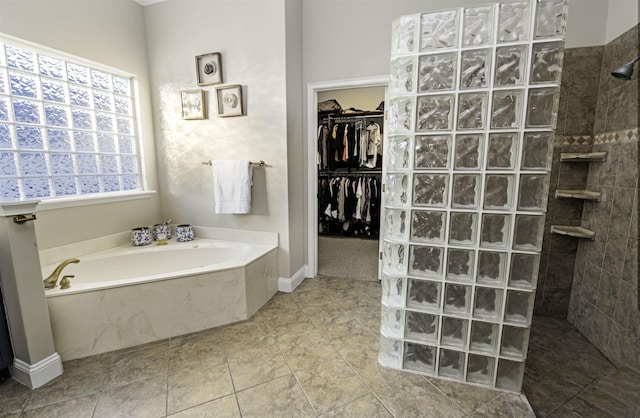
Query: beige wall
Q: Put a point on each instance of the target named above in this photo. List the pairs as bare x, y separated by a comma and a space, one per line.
250, 35
110, 33
261, 42
295, 117
621, 15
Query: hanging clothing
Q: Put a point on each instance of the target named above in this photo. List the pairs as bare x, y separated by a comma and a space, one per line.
373, 140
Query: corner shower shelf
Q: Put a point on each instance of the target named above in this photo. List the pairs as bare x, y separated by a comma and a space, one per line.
573, 231
579, 194
583, 156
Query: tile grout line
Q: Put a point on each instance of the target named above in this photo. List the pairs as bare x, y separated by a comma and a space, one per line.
296, 377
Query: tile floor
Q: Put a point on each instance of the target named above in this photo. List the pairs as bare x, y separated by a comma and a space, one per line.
313, 353
566, 376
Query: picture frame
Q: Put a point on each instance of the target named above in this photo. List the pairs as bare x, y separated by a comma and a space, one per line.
193, 106
229, 100
209, 69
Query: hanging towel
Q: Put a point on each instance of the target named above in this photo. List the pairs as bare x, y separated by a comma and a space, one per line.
232, 186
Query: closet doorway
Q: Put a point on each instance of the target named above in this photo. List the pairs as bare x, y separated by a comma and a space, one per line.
344, 233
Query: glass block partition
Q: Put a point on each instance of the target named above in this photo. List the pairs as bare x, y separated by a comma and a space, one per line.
471, 115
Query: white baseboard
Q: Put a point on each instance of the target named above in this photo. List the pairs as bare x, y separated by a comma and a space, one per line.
36, 375
288, 284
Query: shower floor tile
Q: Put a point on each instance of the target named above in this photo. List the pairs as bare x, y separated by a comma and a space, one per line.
313, 352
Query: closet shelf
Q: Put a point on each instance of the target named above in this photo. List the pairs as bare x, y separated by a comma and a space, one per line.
573, 231
583, 156
579, 194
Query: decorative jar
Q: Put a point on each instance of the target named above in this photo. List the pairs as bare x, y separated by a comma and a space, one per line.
140, 236
184, 232
159, 229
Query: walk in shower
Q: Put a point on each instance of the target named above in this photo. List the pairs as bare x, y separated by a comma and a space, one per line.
473, 99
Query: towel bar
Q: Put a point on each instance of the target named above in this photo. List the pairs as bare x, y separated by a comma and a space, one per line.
260, 163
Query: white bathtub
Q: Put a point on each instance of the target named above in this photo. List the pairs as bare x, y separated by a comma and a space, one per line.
127, 265
125, 296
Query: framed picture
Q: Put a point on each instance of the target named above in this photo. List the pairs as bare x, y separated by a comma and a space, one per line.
229, 100
192, 104
209, 69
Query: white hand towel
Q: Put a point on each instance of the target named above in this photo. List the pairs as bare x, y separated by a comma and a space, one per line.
232, 186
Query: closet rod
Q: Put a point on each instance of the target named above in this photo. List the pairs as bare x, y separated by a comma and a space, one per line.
345, 118
349, 174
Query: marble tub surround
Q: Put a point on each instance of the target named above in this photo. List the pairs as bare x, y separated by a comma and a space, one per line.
94, 318
95, 322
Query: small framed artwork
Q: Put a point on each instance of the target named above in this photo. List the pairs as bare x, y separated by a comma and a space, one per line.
229, 100
192, 104
209, 69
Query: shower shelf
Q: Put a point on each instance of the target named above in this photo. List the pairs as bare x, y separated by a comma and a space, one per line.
573, 231
570, 157
579, 194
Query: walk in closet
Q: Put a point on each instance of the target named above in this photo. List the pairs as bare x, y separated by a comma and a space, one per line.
349, 175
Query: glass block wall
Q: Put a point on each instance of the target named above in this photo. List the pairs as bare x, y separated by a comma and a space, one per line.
471, 118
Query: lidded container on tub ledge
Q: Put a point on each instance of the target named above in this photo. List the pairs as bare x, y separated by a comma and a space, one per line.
184, 233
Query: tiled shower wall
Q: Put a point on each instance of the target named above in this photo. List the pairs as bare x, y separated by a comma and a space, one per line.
603, 301
576, 116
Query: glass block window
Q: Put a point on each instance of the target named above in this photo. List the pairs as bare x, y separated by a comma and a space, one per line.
68, 127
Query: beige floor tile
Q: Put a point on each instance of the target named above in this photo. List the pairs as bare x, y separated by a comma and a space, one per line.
152, 346
325, 316
365, 363
13, 396
195, 385
367, 406
280, 397
468, 397
282, 332
349, 333
72, 408
281, 316
306, 350
226, 407
146, 398
187, 352
327, 332
247, 334
80, 378
310, 283
312, 297
413, 396
256, 365
506, 405
330, 384
133, 365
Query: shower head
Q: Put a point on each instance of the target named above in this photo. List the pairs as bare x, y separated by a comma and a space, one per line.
625, 71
